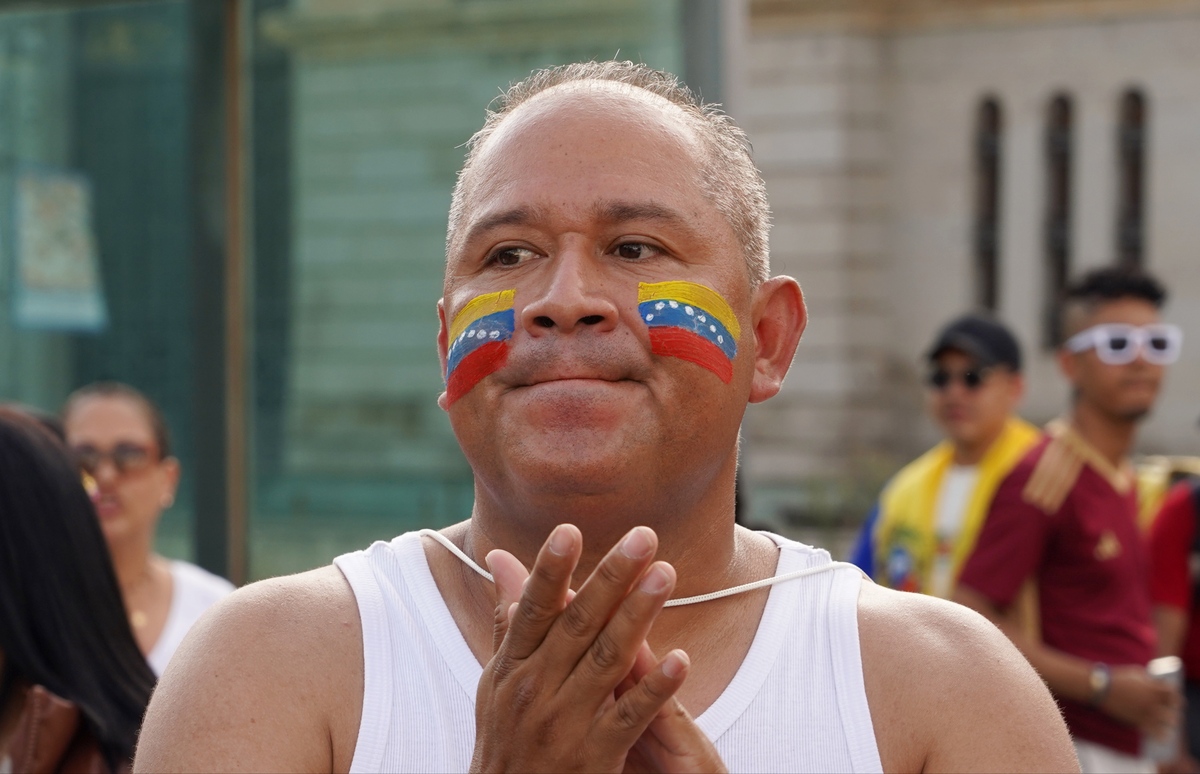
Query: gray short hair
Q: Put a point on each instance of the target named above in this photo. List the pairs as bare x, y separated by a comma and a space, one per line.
728, 175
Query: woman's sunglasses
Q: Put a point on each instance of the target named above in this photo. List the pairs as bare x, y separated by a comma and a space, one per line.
1120, 344
126, 458
972, 378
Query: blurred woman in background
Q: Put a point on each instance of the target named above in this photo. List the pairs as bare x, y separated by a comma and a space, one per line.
73, 684
120, 438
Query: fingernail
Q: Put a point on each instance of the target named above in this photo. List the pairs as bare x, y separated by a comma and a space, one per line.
655, 581
560, 541
674, 664
636, 544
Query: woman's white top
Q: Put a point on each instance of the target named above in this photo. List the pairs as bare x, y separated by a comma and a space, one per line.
797, 703
194, 591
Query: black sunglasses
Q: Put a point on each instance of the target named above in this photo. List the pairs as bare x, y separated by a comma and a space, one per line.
972, 378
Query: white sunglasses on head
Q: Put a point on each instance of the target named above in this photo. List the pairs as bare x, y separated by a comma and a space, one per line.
1120, 344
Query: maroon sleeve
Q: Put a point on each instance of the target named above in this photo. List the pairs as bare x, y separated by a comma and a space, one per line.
1011, 542
1170, 542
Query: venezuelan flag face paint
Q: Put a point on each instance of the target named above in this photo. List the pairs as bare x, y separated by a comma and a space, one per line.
690, 322
478, 339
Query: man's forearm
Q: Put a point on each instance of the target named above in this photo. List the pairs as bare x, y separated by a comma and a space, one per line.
1171, 623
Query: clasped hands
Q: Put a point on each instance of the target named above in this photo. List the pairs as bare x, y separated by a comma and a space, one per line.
572, 684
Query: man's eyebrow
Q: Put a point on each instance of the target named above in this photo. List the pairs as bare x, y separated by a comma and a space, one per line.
610, 212
620, 212
517, 216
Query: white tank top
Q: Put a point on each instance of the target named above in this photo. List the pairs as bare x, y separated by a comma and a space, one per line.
797, 703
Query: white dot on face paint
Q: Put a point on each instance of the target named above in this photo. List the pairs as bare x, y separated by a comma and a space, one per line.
702, 318
674, 304
496, 334
712, 328
720, 339
649, 317
660, 306
471, 334
689, 310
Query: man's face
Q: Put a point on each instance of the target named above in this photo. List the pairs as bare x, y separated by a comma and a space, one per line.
1121, 392
975, 402
579, 196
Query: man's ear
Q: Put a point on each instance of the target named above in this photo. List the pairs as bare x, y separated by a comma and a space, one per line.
1067, 364
779, 318
443, 345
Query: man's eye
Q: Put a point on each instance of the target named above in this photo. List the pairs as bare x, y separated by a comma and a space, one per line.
636, 251
510, 256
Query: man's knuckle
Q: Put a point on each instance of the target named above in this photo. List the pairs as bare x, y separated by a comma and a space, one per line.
537, 610
610, 574
502, 668
628, 715
606, 653
525, 692
655, 691
576, 622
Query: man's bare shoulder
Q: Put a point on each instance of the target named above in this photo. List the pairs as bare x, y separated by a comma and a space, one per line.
270, 678
949, 692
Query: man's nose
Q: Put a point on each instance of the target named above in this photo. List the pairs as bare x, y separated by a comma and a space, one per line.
574, 296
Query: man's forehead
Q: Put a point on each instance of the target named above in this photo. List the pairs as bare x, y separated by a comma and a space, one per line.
615, 115
621, 129
588, 100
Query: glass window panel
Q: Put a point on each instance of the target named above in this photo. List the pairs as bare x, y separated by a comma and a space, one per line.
95, 269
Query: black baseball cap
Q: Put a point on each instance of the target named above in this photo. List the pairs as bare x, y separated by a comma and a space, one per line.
983, 338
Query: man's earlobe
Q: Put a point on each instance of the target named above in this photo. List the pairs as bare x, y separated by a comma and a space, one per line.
779, 318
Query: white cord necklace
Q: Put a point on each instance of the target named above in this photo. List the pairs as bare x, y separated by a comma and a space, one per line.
729, 592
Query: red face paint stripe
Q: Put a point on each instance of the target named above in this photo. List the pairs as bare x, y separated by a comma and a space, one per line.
480, 363
685, 345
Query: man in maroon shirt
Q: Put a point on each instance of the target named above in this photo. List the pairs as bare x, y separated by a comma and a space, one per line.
1175, 571
1059, 565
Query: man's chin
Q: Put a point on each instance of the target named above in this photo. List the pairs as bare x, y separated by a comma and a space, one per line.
1134, 414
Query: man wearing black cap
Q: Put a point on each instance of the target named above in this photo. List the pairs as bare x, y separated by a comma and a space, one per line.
928, 516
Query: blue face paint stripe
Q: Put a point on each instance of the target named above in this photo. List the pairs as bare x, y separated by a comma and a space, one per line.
497, 326
661, 313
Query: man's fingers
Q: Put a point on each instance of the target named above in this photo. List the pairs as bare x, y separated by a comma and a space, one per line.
544, 592
614, 651
641, 704
509, 576
583, 619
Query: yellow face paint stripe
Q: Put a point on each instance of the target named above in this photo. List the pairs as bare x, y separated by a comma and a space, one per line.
695, 295
480, 306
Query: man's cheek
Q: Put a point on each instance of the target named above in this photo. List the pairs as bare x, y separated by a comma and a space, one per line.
690, 322
479, 339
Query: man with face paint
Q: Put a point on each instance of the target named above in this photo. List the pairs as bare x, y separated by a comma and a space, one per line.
1060, 565
607, 317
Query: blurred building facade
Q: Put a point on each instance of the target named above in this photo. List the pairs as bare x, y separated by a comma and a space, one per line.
268, 180
925, 157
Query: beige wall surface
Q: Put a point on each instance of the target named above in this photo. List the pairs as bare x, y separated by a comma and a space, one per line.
863, 126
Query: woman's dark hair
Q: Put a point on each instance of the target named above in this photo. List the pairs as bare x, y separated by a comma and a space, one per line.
63, 624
